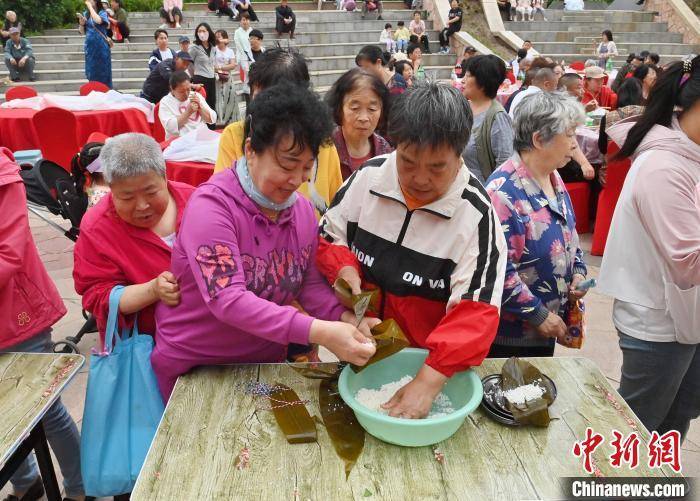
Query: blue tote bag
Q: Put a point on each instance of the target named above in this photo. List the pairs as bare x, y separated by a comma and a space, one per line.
123, 407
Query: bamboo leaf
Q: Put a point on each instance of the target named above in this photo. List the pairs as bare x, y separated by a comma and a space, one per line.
389, 339
517, 373
346, 434
292, 416
359, 303
317, 371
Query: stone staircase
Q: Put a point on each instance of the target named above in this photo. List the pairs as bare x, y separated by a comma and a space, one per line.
571, 35
329, 39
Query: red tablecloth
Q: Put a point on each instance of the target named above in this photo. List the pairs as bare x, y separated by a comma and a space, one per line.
17, 131
194, 173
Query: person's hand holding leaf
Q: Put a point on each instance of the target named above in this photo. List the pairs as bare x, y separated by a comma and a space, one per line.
365, 325
352, 277
344, 340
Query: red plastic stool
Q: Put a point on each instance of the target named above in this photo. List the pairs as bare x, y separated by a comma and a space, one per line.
580, 194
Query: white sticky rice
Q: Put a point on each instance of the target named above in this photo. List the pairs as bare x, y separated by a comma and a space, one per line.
524, 393
373, 399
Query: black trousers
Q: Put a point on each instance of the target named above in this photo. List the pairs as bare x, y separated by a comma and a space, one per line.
446, 33
281, 27
250, 11
177, 13
226, 11
504, 351
214, 6
425, 43
124, 29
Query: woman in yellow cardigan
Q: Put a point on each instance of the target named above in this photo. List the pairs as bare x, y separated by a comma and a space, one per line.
272, 67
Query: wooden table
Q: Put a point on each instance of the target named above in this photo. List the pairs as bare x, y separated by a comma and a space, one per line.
30, 383
209, 420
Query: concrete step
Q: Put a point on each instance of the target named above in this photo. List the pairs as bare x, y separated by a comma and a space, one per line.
133, 68
309, 50
623, 48
270, 6
318, 79
593, 28
617, 61
589, 17
369, 25
341, 24
627, 38
587, 36
369, 36
154, 17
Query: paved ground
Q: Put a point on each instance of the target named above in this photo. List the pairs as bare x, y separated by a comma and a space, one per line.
600, 346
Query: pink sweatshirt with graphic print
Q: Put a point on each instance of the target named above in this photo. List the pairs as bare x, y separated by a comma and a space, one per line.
239, 273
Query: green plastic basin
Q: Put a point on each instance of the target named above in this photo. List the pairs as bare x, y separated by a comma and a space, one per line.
464, 390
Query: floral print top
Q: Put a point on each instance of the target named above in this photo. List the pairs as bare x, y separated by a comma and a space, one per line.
543, 251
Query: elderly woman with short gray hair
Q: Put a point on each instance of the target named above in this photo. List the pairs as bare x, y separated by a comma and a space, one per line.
127, 238
545, 262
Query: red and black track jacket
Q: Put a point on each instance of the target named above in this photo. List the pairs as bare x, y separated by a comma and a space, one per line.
440, 268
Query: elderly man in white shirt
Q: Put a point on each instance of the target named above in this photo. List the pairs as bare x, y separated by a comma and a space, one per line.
183, 110
544, 79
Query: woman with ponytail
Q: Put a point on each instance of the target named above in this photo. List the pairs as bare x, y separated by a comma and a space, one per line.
651, 264
86, 170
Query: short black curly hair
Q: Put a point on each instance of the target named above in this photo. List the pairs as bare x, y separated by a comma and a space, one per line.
285, 110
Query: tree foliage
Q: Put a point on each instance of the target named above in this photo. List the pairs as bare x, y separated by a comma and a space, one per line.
37, 15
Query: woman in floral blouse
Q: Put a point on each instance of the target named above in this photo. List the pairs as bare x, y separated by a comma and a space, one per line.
545, 262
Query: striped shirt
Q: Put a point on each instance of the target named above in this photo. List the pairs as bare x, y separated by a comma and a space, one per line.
439, 267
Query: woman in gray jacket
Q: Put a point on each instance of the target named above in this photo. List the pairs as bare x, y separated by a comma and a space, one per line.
202, 52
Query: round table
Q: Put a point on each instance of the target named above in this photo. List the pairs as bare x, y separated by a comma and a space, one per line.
17, 131
194, 173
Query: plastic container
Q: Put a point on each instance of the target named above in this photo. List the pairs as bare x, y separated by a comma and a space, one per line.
27, 157
464, 390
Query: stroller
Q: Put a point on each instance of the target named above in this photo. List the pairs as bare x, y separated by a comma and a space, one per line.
51, 190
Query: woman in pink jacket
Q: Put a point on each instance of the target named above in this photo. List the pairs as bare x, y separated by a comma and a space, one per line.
651, 264
29, 306
246, 252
